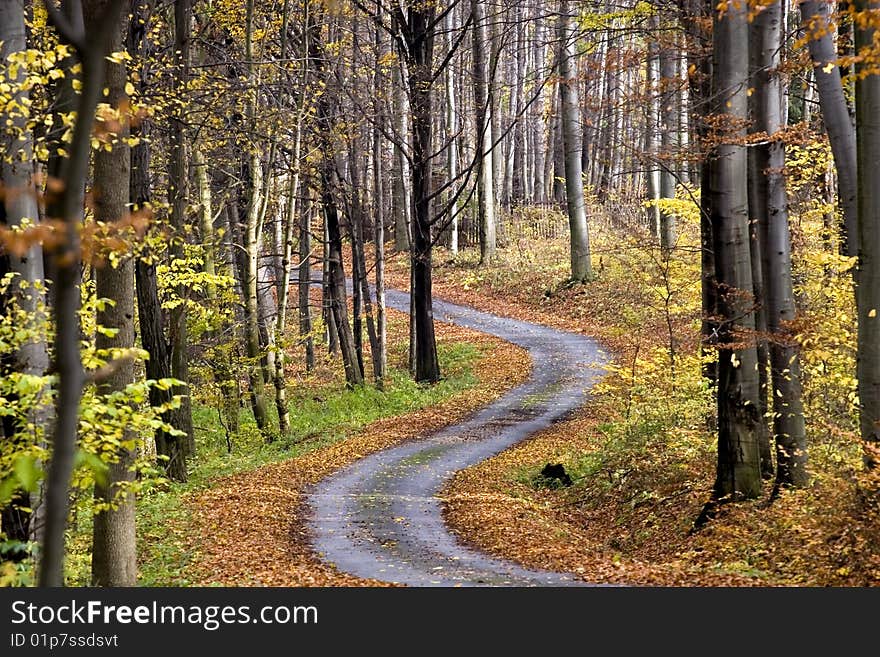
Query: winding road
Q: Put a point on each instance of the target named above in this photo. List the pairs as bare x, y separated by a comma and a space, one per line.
380, 518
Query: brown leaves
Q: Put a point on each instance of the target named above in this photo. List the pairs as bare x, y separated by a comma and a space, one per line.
98, 241
250, 528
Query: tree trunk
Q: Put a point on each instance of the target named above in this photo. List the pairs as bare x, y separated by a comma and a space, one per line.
19, 206
421, 51
400, 169
380, 355
158, 365
253, 231
485, 181
574, 184
788, 415
652, 125
695, 13
739, 468
335, 275
114, 555
179, 192
452, 137
668, 86
305, 274
835, 115
66, 266
868, 286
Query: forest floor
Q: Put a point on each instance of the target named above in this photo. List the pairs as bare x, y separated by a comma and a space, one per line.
249, 528
638, 484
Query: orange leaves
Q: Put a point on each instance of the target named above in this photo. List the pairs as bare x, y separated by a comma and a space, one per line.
98, 241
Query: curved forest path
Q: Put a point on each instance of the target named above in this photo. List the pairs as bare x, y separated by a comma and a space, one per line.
381, 517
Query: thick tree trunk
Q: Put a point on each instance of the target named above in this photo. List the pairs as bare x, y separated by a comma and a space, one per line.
757, 213
739, 468
114, 556
421, 51
868, 285
574, 184
158, 365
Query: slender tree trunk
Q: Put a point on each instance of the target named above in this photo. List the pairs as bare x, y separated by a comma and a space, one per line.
253, 230
335, 275
835, 114
451, 135
652, 124
206, 217
305, 273
700, 62
574, 184
539, 135
66, 268
400, 170
486, 176
283, 295
668, 84
179, 198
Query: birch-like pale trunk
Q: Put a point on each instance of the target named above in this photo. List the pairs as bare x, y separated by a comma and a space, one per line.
452, 128
252, 241
401, 168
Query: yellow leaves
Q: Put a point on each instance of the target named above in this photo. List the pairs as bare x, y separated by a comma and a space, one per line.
119, 57
872, 313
